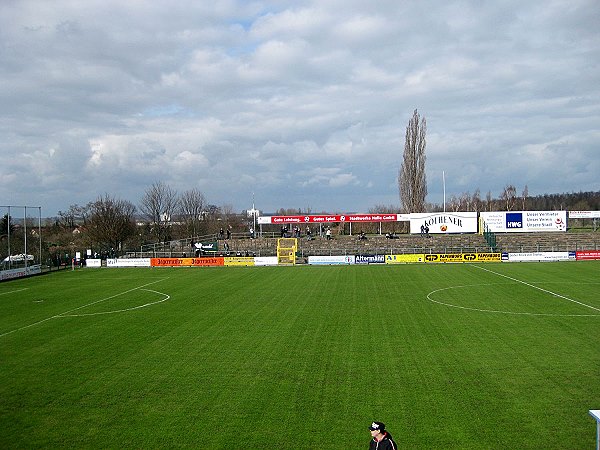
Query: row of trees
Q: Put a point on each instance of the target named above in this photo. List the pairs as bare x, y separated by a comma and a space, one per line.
109, 224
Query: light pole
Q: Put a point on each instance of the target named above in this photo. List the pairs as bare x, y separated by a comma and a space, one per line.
444, 185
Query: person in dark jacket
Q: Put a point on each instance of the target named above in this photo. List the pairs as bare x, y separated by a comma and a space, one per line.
382, 440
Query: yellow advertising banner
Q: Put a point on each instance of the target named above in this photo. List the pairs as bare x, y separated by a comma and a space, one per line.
463, 257
403, 259
489, 257
239, 261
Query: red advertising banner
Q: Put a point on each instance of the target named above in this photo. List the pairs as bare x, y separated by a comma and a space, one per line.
587, 255
334, 218
187, 262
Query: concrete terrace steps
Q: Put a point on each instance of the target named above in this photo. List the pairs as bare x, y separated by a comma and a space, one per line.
378, 244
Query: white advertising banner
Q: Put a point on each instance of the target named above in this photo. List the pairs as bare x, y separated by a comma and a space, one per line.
525, 221
90, 262
265, 260
584, 214
128, 262
539, 256
444, 223
331, 259
22, 272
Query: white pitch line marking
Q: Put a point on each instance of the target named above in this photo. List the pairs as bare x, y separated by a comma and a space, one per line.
166, 297
78, 308
12, 292
538, 288
496, 311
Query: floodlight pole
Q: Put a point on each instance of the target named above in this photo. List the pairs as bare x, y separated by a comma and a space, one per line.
40, 233
25, 234
444, 184
253, 217
8, 231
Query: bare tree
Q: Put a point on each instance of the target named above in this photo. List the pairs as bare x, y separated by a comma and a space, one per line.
488, 201
412, 182
111, 222
509, 197
454, 203
465, 201
227, 211
192, 204
476, 200
74, 216
159, 205
524, 197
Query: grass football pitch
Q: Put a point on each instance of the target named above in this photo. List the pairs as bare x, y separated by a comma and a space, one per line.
448, 356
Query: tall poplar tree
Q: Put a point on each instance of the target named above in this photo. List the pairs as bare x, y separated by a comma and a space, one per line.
412, 182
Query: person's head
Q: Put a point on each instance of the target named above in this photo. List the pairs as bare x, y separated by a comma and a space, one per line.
377, 429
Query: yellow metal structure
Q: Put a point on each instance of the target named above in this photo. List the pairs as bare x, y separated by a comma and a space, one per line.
286, 251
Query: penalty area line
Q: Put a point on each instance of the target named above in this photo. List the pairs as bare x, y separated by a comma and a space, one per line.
57, 316
537, 287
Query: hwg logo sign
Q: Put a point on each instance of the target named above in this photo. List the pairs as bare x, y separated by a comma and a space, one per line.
514, 220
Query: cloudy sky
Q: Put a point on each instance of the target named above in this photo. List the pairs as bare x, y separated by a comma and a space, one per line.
303, 103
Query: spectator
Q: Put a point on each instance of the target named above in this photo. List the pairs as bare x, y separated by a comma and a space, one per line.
382, 440
308, 233
328, 233
229, 232
221, 233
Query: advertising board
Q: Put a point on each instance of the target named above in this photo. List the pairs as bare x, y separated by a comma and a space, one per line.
462, 257
405, 258
265, 260
369, 259
22, 272
525, 221
316, 260
128, 262
587, 255
444, 223
239, 261
538, 256
90, 262
584, 214
333, 218
187, 262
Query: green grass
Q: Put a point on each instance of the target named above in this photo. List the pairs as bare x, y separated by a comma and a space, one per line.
448, 356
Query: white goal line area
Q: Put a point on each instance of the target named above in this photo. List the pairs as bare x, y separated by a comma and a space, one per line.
533, 286
72, 312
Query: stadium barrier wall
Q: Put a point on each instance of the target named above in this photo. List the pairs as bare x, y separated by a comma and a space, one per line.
347, 259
